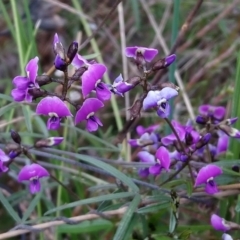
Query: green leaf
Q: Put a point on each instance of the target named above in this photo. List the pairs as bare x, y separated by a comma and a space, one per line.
127, 217
91, 136
131, 226
154, 207
92, 200
86, 227
9, 208
28, 117
7, 108
172, 222
31, 206
116, 173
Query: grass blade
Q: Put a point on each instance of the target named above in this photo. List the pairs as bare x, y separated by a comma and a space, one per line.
92, 200
126, 220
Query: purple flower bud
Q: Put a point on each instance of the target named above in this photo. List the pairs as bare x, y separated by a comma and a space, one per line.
169, 60
219, 223
15, 137
49, 142
232, 132
87, 112
201, 120
203, 140
72, 51
231, 121
60, 63
33, 173
206, 176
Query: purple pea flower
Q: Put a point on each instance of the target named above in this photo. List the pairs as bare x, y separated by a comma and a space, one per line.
160, 99
87, 112
206, 176
147, 54
23, 84
223, 142
91, 78
163, 161
4, 158
219, 223
32, 173
141, 130
55, 108
145, 157
215, 112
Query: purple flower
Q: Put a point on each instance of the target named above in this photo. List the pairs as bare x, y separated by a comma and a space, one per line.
32, 173
144, 140
147, 54
217, 113
55, 108
206, 176
160, 99
120, 86
87, 112
145, 157
163, 156
23, 84
219, 223
141, 130
4, 158
91, 78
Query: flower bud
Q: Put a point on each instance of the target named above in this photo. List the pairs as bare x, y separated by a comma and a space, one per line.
204, 140
201, 120
43, 80
230, 121
15, 137
13, 150
235, 168
163, 63
36, 92
48, 142
136, 108
60, 63
232, 132
72, 51
78, 73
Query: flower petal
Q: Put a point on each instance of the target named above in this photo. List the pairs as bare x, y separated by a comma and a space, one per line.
32, 69
34, 186
32, 171
211, 188
149, 54
102, 91
21, 83
53, 123
143, 172
78, 61
50, 105
168, 93
162, 155
90, 105
219, 112
155, 170
207, 172
18, 95
219, 223
91, 125
131, 51
151, 100
91, 76
146, 157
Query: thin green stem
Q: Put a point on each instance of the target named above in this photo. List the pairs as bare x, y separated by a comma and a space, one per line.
18, 35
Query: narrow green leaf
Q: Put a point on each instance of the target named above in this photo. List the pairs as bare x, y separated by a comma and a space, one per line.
6, 97
92, 200
172, 222
7, 108
86, 227
132, 224
28, 117
9, 208
234, 145
116, 173
31, 206
127, 217
91, 136
154, 207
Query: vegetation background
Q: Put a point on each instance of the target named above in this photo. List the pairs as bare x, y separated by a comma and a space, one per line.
207, 67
